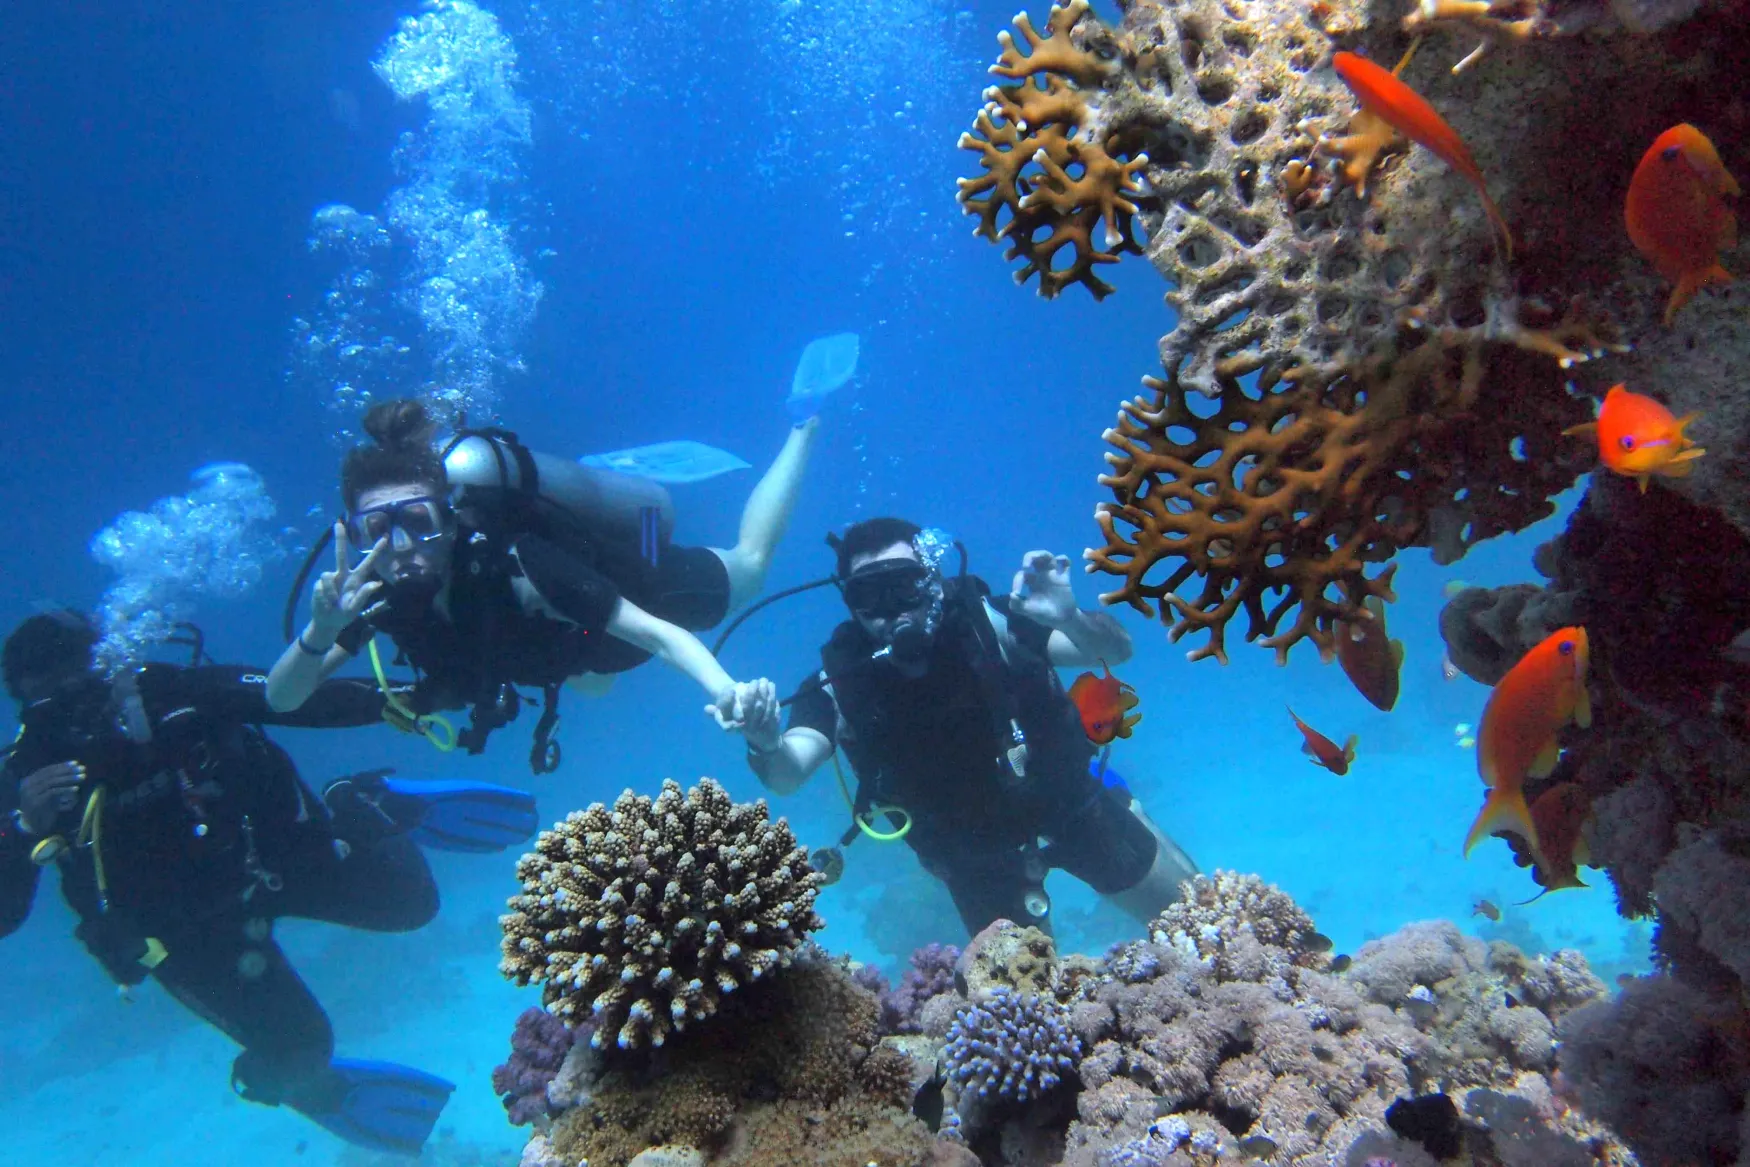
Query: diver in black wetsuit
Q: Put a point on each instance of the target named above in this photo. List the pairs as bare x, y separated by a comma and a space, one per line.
491, 566
947, 703
181, 833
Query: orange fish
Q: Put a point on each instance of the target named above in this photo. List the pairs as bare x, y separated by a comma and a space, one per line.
1322, 751
1529, 707
1677, 214
1486, 910
1369, 659
1638, 437
1383, 95
1560, 814
1104, 704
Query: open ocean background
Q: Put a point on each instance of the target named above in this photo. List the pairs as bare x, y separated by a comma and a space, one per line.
674, 198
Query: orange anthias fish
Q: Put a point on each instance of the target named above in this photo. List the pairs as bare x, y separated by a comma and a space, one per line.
1560, 814
1677, 214
1638, 437
1383, 95
1369, 659
1104, 704
1322, 751
1529, 707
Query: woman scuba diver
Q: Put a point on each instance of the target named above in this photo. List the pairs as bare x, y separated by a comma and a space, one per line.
492, 566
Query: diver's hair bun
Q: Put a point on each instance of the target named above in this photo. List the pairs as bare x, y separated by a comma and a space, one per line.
402, 424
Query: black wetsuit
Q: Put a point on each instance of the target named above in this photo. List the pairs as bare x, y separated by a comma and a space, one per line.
490, 643
936, 745
206, 835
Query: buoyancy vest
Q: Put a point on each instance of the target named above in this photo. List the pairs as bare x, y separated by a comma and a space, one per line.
943, 745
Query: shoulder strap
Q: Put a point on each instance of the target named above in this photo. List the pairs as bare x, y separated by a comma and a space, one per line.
988, 665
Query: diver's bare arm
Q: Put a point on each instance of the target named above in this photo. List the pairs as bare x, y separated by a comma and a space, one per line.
297, 673
800, 752
1087, 638
674, 644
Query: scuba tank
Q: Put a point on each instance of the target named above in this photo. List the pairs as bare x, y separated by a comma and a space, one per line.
608, 500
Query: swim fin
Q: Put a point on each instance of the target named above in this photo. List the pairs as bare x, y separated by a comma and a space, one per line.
453, 815
381, 1105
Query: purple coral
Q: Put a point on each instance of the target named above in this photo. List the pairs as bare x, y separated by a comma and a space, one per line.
538, 1046
1012, 1046
931, 973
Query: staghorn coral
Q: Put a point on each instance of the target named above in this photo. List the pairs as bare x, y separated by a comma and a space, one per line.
644, 917
790, 1073
930, 974
1013, 1046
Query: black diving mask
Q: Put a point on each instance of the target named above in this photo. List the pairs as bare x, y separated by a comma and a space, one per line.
887, 589
406, 524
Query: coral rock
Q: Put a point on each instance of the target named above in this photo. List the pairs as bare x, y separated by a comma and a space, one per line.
640, 919
1007, 955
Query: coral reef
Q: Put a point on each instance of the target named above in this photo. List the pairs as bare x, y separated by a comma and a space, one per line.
644, 917
1012, 1046
931, 974
789, 1073
538, 1045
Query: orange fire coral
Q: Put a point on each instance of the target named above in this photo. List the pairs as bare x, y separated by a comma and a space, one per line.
1045, 166
1281, 491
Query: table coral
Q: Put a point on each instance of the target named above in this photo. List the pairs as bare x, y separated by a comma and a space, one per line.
644, 917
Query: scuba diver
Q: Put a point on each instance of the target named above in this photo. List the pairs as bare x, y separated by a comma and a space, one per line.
181, 833
947, 703
492, 566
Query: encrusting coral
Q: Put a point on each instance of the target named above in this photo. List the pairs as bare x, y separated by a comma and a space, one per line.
642, 918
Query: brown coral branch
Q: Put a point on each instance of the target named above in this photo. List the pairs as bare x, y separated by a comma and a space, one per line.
1497, 21
1054, 52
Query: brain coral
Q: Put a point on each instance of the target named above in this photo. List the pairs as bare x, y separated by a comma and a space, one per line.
642, 917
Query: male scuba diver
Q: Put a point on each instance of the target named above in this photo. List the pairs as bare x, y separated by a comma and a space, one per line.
181, 833
491, 566
947, 703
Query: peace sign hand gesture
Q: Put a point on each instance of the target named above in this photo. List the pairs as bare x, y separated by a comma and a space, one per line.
345, 594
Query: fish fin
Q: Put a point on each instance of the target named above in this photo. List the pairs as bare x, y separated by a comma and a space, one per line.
1397, 653
1583, 708
1494, 214
1504, 810
1683, 423
1642, 479
1582, 852
1349, 747
1682, 465
1547, 757
1691, 282
1584, 430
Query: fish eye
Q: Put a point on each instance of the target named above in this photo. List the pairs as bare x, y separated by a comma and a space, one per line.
1566, 648
1670, 153
1626, 442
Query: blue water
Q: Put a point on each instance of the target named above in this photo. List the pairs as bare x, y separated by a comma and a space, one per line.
693, 193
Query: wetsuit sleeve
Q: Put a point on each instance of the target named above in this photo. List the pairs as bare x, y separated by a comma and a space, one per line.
355, 636
18, 875
575, 590
1029, 634
235, 693
814, 709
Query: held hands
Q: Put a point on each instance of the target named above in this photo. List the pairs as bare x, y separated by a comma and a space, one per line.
345, 594
752, 708
1041, 590
46, 794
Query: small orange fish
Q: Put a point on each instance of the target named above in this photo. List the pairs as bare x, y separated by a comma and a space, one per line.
1486, 910
1322, 751
1104, 704
1560, 814
1638, 437
1369, 659
1529, 707
1383, 95
1677, 214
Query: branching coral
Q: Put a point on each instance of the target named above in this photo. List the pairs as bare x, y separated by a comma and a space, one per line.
538, 1045
1280, 493
1011, 1045
1048, 167
642, 918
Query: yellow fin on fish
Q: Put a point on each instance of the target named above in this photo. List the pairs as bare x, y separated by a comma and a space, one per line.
1583, 708
1545, 762
1505, 810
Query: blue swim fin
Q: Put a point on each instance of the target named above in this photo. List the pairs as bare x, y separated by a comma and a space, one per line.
453, 815
382, 1106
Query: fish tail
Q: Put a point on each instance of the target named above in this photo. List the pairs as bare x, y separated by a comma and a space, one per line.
1691, 282
1505, 810
1500, 223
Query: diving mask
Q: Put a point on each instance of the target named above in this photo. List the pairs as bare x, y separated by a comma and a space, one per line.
406, 523
887, 588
